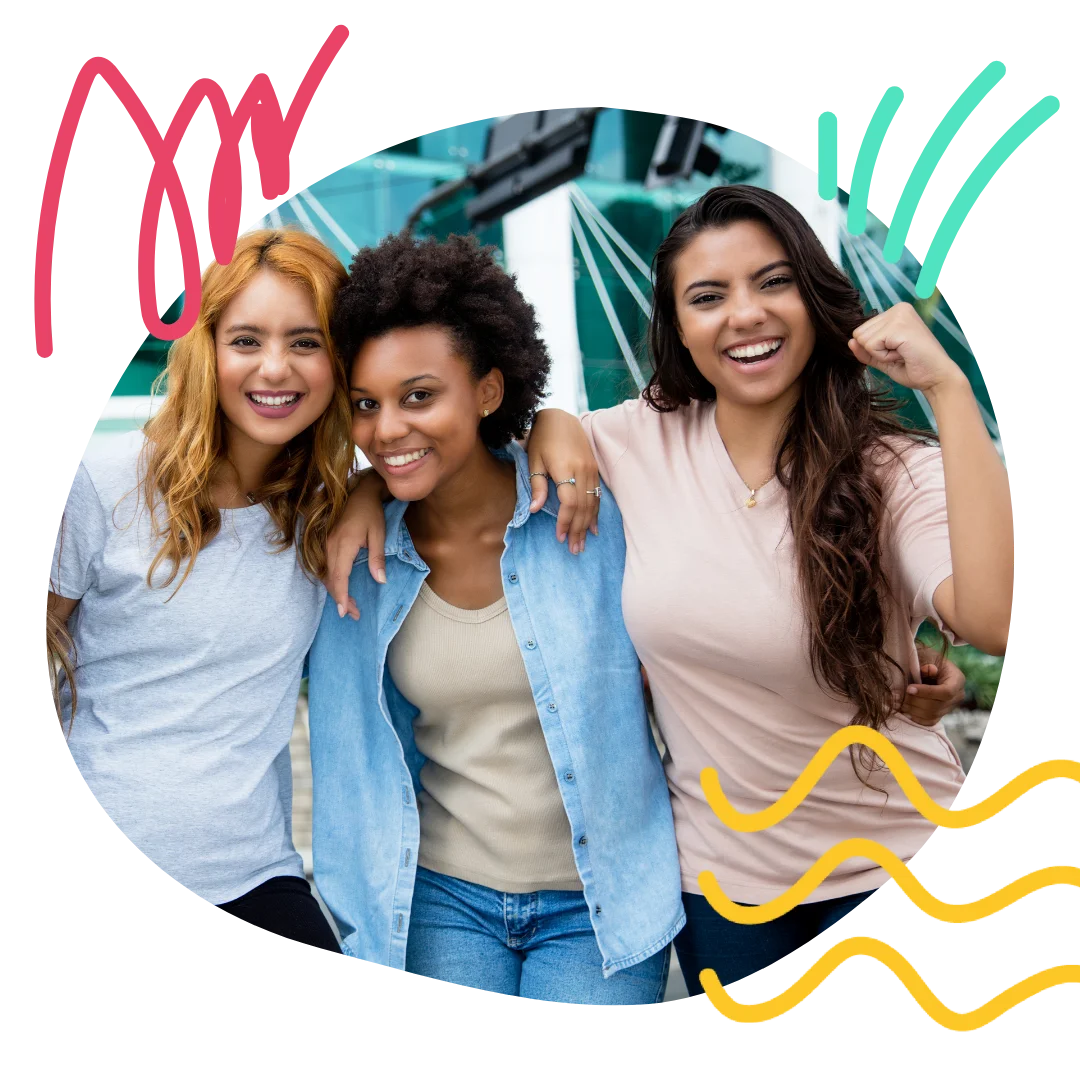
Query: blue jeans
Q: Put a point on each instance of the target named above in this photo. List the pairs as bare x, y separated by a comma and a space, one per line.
534, 945
734, 950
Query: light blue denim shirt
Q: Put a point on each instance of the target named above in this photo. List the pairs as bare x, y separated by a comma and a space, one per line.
586, 681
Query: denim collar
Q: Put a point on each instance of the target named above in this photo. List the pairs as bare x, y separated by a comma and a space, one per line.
399, 543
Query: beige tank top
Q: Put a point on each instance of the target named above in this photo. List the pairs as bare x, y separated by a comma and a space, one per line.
490, 809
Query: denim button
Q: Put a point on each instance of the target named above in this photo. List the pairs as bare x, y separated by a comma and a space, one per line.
569, 776
583, 841
530, 644
551, 707
513, 579
598, 909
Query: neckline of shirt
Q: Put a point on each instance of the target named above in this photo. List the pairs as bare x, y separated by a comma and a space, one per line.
246, 515
765, 495
459, 614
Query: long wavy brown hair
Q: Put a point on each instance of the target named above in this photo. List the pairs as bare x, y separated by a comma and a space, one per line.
838, 435
304, 489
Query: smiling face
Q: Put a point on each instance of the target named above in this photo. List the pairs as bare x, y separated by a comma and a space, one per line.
275, 375
417, 408
740, 315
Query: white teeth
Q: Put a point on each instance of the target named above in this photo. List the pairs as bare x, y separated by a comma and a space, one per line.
404, 459
745, 352
275, 399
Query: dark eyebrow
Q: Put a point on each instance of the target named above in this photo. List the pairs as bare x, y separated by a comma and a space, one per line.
753, 277
295, 332
403, 383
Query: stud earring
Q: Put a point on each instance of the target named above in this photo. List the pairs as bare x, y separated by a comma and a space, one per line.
484, 413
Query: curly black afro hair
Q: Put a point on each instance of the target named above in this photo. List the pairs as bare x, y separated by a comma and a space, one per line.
458, 285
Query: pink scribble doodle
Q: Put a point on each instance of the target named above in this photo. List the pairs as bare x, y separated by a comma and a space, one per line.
272, 137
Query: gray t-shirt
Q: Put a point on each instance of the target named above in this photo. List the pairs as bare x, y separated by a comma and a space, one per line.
185, 704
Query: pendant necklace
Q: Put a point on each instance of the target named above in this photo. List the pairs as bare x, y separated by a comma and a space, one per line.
751, 502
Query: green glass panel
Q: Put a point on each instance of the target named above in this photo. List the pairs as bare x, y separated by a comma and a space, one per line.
462, 143
622, 148
149, 361
909, 267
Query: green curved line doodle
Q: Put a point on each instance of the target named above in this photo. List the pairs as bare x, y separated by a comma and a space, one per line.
826, 184
935, 147
867, 159
981, 175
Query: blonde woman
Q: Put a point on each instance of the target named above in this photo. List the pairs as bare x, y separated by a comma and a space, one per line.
186, 574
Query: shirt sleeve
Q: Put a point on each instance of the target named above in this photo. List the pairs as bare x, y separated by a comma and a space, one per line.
608, 431
915, 498
80, 541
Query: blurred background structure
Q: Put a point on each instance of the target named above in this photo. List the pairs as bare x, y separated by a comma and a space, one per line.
575, 201
580, 249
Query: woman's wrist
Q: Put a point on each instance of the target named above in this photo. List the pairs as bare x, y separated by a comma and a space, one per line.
953, 388
369, 479
544, 417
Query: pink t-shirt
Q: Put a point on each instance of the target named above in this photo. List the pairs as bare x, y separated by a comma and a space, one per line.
710, 600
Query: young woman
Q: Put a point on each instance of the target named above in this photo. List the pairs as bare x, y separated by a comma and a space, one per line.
786, 538
815, 535
490, 806
179, 548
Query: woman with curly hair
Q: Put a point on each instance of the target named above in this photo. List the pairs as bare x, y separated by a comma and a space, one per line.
179, 547
786, 538
490, 807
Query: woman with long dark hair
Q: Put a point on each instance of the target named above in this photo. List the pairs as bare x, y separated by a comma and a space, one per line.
814, 535
786, 537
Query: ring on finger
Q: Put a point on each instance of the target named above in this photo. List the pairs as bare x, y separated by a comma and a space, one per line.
532, 474
559, 483
593, 491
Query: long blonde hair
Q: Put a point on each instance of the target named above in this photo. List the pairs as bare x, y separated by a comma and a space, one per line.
185, 443
304, 489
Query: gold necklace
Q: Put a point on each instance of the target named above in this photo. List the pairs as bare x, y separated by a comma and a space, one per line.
751, 502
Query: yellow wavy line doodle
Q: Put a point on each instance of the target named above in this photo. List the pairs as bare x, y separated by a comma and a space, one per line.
902, 969
901, 874
836, 744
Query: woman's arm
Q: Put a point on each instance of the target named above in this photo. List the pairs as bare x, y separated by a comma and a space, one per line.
362, 524
558, 450
61, 607
976, 602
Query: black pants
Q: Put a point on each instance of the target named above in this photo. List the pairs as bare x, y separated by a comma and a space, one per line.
285, 906
737, 950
